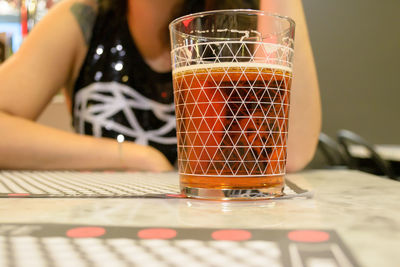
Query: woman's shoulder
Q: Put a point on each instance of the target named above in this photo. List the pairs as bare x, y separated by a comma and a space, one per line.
67, 5
85, 13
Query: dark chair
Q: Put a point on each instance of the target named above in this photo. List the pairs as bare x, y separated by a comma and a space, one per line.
374, 163
332, 152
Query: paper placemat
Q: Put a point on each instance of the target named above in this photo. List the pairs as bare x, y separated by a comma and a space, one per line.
70, 184
82, 245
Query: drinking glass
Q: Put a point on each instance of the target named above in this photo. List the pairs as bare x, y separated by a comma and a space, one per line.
232, 72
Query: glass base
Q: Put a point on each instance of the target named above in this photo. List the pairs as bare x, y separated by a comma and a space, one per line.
233, 194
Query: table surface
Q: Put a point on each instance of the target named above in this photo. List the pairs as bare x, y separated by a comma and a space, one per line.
363, 209
388, 152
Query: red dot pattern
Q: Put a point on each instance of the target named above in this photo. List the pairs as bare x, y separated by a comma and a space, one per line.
305, 236
157, 233
231, 235
86, 232
308, 236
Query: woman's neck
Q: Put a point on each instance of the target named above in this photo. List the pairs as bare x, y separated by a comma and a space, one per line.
148, 21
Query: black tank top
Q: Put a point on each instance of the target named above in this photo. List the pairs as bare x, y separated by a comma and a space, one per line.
117, 93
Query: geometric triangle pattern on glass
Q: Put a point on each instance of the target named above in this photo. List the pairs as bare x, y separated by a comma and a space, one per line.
232, 108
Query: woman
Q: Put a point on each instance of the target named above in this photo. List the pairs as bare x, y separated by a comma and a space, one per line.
84, 47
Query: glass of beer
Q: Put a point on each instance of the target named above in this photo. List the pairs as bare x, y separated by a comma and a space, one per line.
232, 72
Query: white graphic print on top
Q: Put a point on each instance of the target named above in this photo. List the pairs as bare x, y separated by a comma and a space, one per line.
110, 99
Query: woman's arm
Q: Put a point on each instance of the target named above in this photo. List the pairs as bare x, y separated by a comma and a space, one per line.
27, 145
305, 109
48, 60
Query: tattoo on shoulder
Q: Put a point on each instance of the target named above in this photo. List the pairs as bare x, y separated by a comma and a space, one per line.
85, 16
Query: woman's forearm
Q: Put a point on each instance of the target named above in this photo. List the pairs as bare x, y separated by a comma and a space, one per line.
27, 145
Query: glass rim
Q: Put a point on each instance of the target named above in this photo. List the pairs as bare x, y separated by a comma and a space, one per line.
292, 23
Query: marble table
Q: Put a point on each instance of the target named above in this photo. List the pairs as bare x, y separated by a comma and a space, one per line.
362, 208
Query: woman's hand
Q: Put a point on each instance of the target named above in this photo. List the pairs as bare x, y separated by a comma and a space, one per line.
143, 158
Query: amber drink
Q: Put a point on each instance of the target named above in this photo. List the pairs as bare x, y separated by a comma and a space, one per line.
232, 119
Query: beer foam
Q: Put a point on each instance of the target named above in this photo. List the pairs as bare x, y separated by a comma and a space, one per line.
225, 65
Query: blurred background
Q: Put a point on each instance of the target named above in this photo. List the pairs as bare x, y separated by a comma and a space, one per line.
356, 46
